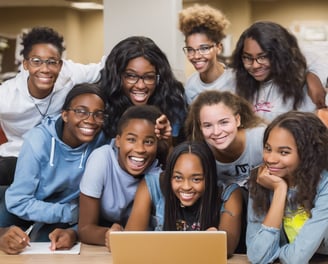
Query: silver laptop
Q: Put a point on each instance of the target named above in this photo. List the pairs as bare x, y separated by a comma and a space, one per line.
169, 247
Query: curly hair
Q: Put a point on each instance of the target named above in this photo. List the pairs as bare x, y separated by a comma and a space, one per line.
169, 92
237, 104
41, 35
311, 137
287, 63
210, 200
203, 19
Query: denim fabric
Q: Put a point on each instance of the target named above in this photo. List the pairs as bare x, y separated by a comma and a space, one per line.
266, 244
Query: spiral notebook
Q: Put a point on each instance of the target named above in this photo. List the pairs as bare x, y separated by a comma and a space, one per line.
173, 247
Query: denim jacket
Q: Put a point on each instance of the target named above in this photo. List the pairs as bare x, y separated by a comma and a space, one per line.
266, 244
158, 201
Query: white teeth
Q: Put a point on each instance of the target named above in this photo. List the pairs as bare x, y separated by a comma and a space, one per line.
186, 195
139, 94
87, 131
137, 159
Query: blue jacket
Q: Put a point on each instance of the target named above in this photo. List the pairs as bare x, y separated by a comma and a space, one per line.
48, 174
266, 244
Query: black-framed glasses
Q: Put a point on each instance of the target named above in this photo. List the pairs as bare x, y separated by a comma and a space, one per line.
203, 50
148, 79
37, 62
262, 59
82, 114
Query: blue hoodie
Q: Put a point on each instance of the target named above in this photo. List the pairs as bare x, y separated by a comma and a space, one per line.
48, 174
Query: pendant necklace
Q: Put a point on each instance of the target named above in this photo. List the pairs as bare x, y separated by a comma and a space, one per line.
43, 114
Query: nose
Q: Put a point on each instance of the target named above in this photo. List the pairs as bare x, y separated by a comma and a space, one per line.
140, 83
186, 185
197, 54
255, 64
44, 67
271, 158
90, 119
216, 129
139, 147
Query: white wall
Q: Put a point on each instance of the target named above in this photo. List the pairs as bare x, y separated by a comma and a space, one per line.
157, 19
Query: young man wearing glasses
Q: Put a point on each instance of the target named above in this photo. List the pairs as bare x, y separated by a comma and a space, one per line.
37, 91
45, 190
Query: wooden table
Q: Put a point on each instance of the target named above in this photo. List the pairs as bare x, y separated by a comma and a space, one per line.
97, 255
88, 255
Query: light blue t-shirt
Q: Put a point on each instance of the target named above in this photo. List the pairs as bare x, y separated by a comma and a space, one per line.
106, 180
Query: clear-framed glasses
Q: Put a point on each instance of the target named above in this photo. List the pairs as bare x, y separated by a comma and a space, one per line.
37, 62
148, 79
203, 50
262, 59
82, 114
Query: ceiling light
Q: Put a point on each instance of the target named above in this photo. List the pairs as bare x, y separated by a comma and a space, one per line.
87, 5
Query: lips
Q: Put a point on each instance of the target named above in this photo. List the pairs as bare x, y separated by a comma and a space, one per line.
86, 131
219, 140
136, 163
44, 79
186, 198
139, 96
198, 65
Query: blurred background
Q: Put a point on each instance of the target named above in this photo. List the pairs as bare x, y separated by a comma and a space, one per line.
90, 31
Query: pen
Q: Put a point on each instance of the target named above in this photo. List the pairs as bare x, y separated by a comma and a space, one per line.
28, 231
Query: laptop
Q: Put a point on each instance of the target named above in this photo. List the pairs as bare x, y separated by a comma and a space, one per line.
169, 247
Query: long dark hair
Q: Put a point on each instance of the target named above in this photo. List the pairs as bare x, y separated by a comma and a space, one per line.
311, 137
210, 200
287, 63
169, 92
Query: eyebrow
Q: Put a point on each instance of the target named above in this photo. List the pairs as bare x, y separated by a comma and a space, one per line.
258, 54
193, 174
136, 135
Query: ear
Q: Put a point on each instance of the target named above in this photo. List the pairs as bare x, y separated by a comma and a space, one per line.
219, 47
25, 64
117, 141
238, 120
64, 115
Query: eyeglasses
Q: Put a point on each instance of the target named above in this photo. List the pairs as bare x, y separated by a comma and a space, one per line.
203, 50
148, 79
37, 62
262, 59
82, 114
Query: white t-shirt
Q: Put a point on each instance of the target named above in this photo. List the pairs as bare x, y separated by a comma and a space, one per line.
194, 85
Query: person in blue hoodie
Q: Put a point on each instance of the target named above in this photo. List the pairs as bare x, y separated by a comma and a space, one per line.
45, 190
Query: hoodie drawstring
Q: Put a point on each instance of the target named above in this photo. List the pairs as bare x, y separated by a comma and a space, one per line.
52, 152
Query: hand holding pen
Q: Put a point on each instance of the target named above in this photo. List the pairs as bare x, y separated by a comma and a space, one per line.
13, 240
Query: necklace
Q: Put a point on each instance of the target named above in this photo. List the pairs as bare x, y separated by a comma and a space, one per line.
43, 114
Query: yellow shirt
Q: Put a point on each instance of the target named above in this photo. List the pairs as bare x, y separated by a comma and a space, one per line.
293, 221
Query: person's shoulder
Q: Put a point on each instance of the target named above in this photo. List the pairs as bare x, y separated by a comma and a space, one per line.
256, 130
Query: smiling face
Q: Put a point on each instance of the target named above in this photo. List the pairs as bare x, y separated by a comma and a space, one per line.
219, 125
207, 62
139, 93
137, 146
187, 181
42, 78
280, 154
259, 71
77, 131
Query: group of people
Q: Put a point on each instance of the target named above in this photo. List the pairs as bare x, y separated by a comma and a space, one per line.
123, 145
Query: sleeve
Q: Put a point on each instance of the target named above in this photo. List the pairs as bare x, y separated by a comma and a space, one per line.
317, 64
312, 233
80, 73
96, 169
21, 196
262, 242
